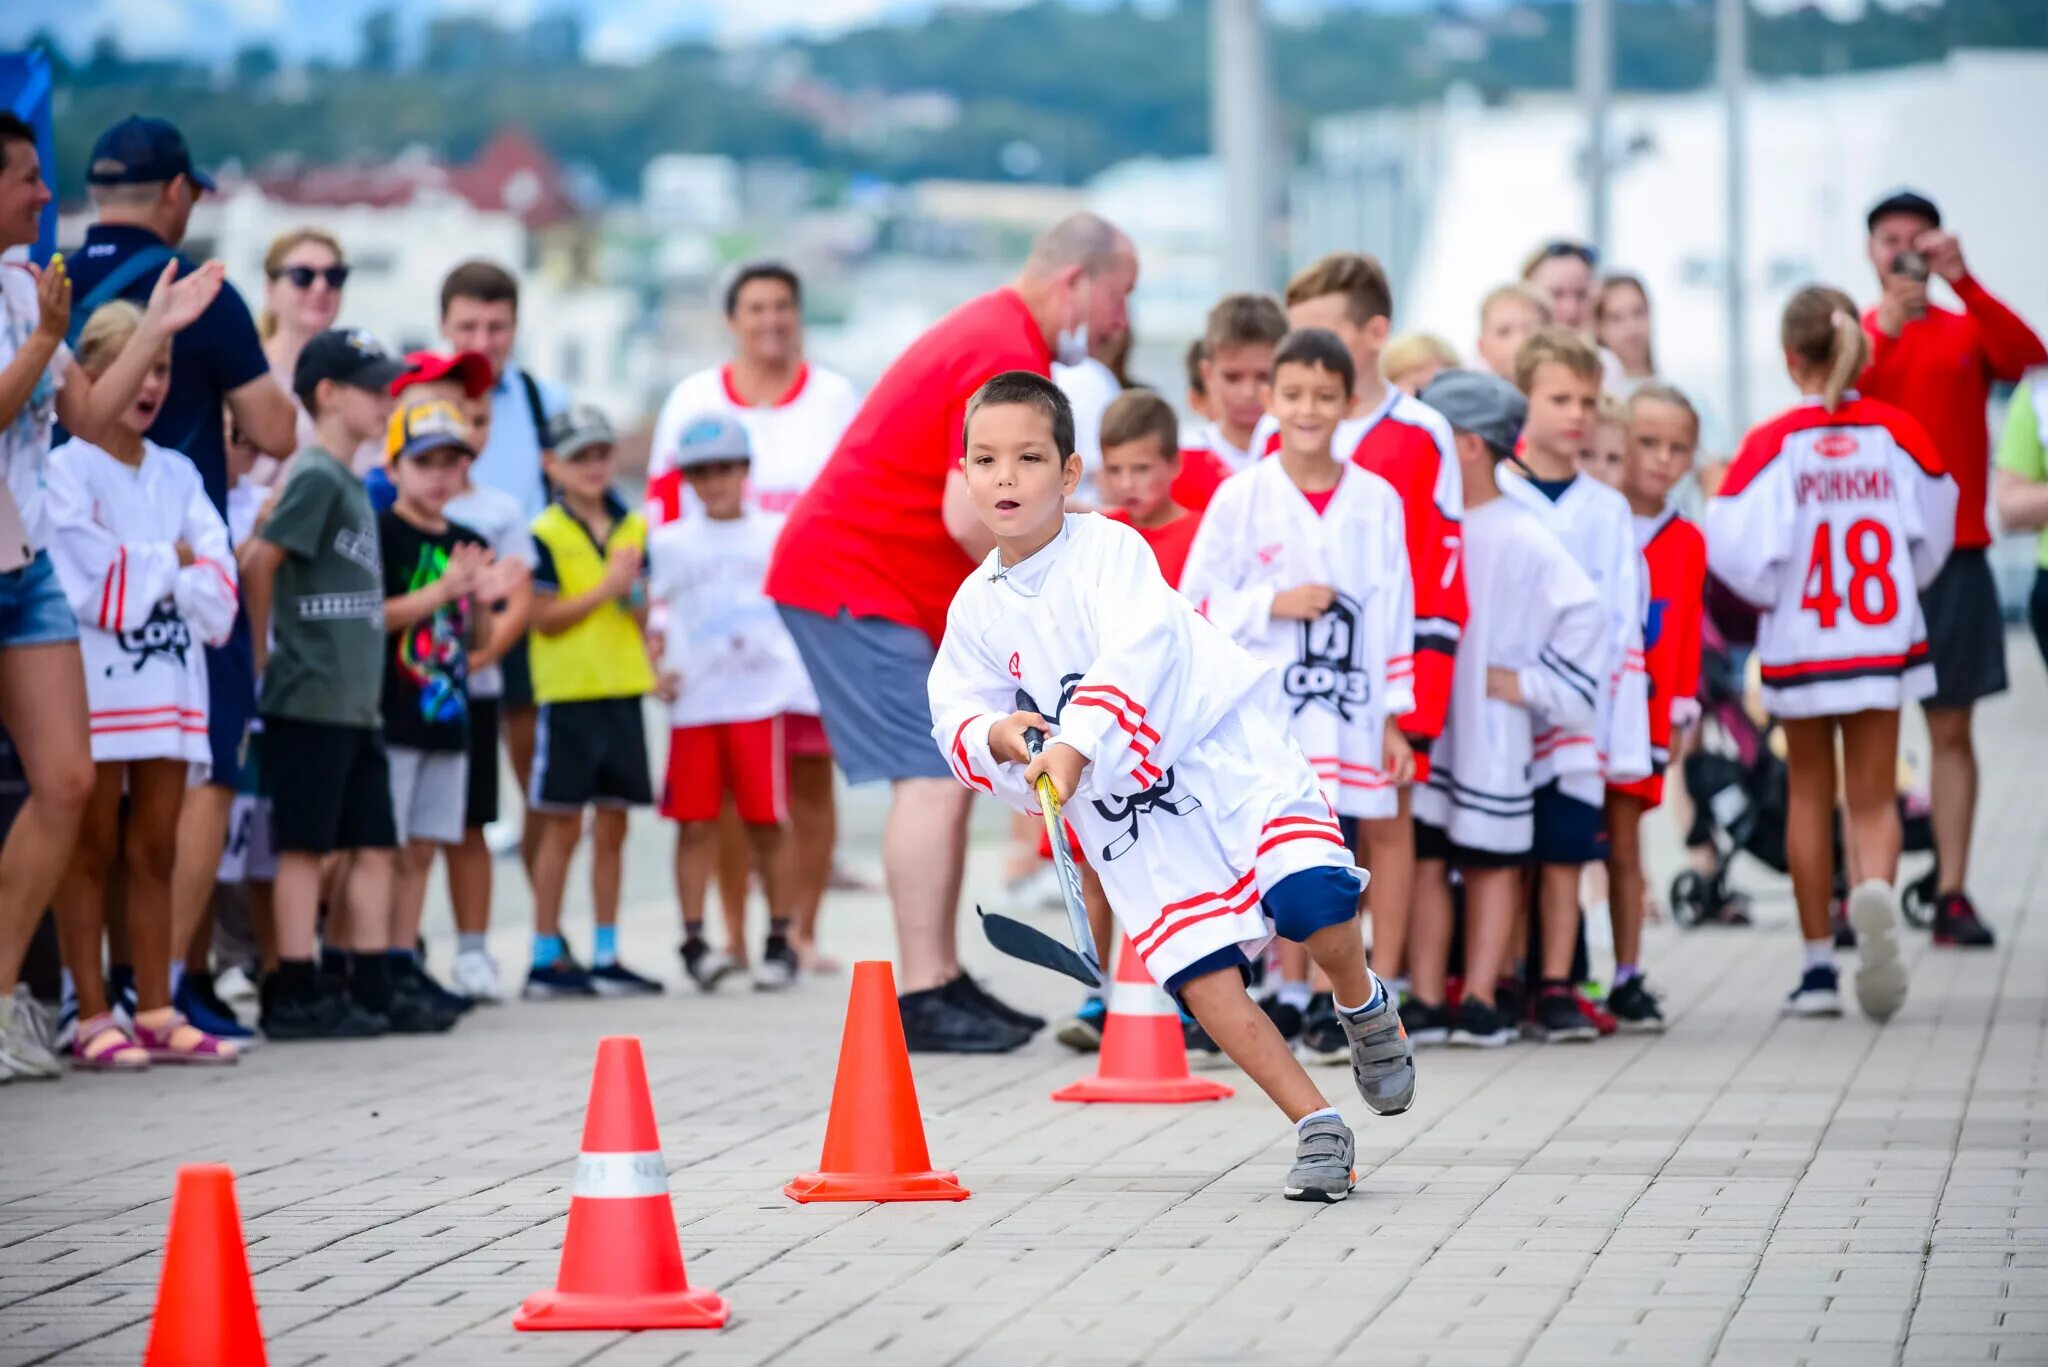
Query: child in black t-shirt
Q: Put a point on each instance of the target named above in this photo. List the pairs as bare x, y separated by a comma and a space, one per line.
434, 573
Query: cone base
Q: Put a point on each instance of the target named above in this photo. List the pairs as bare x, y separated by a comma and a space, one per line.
1147, 1090
875, 1186
586, 1310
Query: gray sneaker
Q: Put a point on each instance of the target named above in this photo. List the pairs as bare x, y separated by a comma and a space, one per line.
21, 1053
1382, 1060
1324, 1153
42, 1023
1880, 971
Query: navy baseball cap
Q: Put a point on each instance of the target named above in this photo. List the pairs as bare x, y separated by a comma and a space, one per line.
140, 150
347, 356
1903, 202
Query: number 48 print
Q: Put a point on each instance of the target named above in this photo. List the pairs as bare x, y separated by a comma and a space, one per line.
1868, 545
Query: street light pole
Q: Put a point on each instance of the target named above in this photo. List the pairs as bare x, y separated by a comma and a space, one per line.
1593, 58
1731, 56
1240, 99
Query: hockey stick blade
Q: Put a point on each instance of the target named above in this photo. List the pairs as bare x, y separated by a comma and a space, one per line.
1034, 946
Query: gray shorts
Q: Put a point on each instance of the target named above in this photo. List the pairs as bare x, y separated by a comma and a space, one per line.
869, 674
1965, 631
429, 792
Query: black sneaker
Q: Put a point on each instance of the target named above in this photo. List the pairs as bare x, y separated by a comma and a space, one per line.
1321, 1038
1287, 1019
562, 978
1957, 924
1635, 1007
616, 980
1509, 1000
706, 967
1559, 1019
319, 1015
1424, 1023
1482, 1025
408, 969
200, 985
965, 991
776, 968
413, 1011
1196, 1041
935, 1022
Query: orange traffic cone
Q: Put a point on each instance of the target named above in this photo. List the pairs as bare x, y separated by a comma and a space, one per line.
874, 1141
205, 1306
1143, 1057
622, 1267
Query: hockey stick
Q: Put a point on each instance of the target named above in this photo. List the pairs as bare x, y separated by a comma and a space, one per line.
1034, 946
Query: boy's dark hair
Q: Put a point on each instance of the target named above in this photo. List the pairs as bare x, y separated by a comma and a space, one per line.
1358, 277
1244, 320
1033, 391
1198, 352
1139, 413
1321, 349
762, 270
13, 129
484, 281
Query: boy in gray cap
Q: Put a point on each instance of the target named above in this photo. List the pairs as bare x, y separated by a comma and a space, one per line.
731, 673
1527, 666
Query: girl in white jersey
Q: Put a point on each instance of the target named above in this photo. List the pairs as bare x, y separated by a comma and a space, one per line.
144, 560
1832, 518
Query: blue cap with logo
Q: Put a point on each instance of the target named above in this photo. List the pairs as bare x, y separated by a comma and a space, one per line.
139, 150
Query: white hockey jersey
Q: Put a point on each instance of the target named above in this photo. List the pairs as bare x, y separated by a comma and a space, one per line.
141, 617
720, 631
1348, 671
1594, 524
791, 438
1194, 803
1832, 523
1533, 610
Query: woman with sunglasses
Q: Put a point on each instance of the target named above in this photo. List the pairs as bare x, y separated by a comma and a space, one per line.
306, 272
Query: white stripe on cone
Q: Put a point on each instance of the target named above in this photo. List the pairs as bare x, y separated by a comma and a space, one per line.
1140, 999
619, 1176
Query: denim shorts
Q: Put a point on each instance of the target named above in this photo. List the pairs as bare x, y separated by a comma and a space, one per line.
33, 610
869, 674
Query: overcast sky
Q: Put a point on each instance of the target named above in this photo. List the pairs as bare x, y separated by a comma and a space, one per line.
621, 30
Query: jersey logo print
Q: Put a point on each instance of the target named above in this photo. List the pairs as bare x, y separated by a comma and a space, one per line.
1016, 666
1331, 670
1268, 554
1121, 811
164, 634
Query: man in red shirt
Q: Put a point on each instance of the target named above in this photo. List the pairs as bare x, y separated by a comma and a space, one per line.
1939, 367
868, 565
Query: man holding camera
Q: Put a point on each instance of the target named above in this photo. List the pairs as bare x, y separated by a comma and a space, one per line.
1939, 366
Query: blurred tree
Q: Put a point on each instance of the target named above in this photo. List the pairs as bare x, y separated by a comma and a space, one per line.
379, 42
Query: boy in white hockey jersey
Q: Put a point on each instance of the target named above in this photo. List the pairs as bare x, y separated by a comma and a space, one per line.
1526, 667
1206, 826
1558, 372
144, 560
1831, 519
1302, 560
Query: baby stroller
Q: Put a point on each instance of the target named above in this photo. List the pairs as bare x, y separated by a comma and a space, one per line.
1739, 790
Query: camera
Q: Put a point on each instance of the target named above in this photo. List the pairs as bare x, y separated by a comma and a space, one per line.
1910, 264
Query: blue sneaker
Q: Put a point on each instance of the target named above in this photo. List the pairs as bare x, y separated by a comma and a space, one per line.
562, 978
192, 1002
1082, 1031
1819, 994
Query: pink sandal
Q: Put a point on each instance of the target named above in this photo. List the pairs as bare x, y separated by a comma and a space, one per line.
102, 1046
197, 1046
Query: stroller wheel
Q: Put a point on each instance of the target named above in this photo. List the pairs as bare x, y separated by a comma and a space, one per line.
1689, 898
1916, 901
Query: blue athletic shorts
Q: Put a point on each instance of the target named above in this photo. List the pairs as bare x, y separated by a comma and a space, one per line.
1568, 831
870, 675
33, 610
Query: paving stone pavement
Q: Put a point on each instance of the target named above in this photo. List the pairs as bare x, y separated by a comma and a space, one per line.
1742, 1189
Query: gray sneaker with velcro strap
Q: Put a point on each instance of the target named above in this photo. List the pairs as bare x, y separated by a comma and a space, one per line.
1325, 1158
1382, 1060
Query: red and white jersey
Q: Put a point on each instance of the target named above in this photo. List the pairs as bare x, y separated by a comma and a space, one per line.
1595, 526
1194, 802
1170, 541
1533, 610
1831, 523
142, 618
791, 438
1353, 667
720, 632
1207, 458
1675, 558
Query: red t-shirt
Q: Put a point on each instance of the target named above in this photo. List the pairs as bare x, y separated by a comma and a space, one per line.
1169, 541
867, 536
1676, 556
1319, 499
1940, 369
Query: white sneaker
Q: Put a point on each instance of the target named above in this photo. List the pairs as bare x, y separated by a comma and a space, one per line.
475, 975
235, 985
1880, 972
502, 838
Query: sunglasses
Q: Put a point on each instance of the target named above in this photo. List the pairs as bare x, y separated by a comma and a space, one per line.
1552, 250
302, 277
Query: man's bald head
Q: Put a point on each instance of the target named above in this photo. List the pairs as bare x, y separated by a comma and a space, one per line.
1087, 240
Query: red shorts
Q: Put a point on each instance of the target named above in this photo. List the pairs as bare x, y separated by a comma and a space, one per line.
1650, 790
744, 758
803, 736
